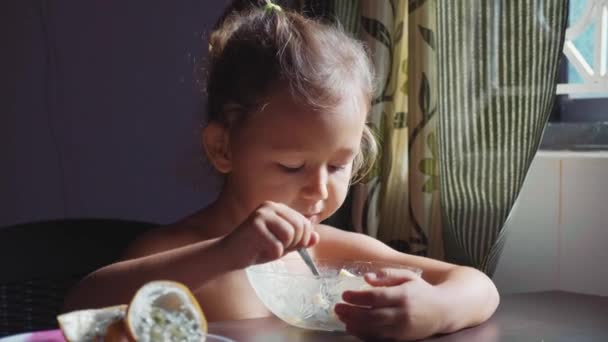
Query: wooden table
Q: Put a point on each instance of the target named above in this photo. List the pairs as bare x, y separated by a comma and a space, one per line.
531, 317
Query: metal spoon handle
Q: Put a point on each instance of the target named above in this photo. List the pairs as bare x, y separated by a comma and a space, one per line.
308, 260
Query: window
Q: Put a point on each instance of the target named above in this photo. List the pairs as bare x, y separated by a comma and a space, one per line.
579, 120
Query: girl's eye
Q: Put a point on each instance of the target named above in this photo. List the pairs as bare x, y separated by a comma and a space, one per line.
336, 168
291, 169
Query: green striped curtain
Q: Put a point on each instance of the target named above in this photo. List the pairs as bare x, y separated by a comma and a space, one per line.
498, 62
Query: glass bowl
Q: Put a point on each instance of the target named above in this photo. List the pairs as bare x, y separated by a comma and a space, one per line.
290, 291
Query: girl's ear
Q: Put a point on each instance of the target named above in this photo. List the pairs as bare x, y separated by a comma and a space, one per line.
216, 142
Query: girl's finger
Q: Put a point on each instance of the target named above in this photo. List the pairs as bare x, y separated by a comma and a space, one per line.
366, 316
281, 229
309, 236
390, 277
298, 222
376, 297
271, 248
367, 321
304, 240
314, 239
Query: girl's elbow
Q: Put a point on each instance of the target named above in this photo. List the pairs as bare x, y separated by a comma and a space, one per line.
492, 298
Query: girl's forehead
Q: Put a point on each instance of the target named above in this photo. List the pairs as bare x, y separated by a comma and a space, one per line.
287, 125
283, 104
294, 117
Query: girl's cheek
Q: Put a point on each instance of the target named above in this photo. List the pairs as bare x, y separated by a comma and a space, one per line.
340, 188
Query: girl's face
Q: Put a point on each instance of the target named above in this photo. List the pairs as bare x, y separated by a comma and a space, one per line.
291, 154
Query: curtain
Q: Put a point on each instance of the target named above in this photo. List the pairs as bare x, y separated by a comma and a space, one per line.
465, 91
399, 202
499, 64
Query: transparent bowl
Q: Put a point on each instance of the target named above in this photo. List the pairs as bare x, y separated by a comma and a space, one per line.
290, 291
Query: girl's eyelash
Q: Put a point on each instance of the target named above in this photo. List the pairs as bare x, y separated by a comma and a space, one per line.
291, 169
294, 169
337, 167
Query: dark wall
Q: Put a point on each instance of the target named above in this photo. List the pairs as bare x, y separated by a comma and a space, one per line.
99, 115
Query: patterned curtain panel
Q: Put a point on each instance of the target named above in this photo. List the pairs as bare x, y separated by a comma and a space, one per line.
498, 62
425, 203
399, 202
381, 205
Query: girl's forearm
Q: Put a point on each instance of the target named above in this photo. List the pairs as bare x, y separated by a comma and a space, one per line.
469, 298
117, 283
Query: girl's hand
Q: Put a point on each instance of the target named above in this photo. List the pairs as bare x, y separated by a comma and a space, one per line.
270, 232
401, 306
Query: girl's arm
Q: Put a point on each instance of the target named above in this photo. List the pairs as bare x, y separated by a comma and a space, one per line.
269, 233
463, 295
468, 298
117, 283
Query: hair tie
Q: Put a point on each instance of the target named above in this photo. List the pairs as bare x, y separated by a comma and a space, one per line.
269, 7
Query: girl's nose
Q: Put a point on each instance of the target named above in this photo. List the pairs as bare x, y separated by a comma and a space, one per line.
316, 186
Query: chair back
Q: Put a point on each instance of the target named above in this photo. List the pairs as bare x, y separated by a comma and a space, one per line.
41, 261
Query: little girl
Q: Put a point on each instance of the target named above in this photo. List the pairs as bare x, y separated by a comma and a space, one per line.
287, 104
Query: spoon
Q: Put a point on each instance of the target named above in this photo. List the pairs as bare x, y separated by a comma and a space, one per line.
313, 268
308, 260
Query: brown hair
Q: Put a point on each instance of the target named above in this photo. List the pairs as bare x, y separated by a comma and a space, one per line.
256, 47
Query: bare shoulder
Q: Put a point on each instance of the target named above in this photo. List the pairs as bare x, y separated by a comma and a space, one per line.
164, 238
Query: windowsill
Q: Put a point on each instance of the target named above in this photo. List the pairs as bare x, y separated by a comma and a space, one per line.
572, 154
575, 136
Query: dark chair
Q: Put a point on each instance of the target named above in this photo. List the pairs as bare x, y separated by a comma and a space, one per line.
40, 261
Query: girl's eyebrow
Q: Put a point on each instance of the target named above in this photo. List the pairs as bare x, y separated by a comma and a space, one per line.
347, 151
286, 149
